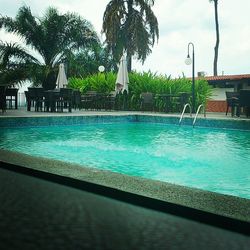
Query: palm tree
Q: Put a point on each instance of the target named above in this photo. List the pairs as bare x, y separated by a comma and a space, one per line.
130, 25
15, 64
216, 48
86, 62
53, 37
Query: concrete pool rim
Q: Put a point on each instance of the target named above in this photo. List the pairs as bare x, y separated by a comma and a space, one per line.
225, 211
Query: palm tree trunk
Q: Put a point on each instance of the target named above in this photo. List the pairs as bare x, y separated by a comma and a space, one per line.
129, 57
216, 48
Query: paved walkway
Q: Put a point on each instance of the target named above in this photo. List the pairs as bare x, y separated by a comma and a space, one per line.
38, 214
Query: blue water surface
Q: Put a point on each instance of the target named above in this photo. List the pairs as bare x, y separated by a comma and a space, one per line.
211, 159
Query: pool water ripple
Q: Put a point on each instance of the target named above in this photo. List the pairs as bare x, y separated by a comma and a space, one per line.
211, 159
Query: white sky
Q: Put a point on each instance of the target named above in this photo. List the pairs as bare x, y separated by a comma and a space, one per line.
180, 22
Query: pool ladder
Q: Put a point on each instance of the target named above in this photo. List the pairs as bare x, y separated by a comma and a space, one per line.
183, 111
198, 110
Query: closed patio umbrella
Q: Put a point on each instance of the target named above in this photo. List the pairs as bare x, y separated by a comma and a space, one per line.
61, 80
122, 79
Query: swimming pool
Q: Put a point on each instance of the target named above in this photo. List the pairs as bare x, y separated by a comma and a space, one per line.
206, 158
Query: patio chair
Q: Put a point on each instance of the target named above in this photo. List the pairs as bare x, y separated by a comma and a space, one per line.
109, 101
176, 102
243, 102
88, 101
147, 101
76, 101
64, 99
232, 99
32, 99
40, 99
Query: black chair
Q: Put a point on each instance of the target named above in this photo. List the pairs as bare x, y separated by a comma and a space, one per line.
243, 102
76, 101
147, 101
40, 99
232, 99
64, 99
88, 100
31, 98
99, 101
178, 101
109, 101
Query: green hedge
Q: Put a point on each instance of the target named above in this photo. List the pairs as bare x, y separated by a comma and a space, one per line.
143, 82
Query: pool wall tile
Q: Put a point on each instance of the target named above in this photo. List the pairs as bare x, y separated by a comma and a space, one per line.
88, 119
61, 120
201, 122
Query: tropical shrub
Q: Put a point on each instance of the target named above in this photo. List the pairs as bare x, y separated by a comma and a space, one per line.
144, 82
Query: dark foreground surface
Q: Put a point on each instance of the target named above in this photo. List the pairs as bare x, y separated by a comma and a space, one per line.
38, 214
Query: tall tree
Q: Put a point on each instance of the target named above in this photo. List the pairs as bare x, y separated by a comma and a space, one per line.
53, 36
86, 62
130, 25
15, 64
216, 48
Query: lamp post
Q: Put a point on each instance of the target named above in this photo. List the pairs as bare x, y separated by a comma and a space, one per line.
188, 61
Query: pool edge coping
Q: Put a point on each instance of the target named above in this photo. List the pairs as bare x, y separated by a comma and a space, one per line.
215, 203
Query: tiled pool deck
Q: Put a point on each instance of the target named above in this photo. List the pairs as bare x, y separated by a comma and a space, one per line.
41, 206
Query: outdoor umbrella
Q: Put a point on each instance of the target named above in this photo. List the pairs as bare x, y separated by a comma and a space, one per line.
122, 80
61, 80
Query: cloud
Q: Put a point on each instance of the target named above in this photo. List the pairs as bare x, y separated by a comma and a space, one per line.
180, 22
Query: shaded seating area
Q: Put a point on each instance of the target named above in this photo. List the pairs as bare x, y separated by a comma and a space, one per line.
92, 100
242, 103
232, 99
171, 102
49, 100
34, 98
147, 101
238, 102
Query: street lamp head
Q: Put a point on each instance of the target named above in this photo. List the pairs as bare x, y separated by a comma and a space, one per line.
188, 60
101, 68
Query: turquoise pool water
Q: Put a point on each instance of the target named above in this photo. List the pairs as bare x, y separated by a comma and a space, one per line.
211, 159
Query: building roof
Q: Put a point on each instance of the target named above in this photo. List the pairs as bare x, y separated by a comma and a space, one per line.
227, 77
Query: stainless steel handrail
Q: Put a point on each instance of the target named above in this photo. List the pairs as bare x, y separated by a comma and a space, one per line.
185, 106
198, 110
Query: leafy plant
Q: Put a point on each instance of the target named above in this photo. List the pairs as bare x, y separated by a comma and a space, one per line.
53, 37
130, 25
144, 82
